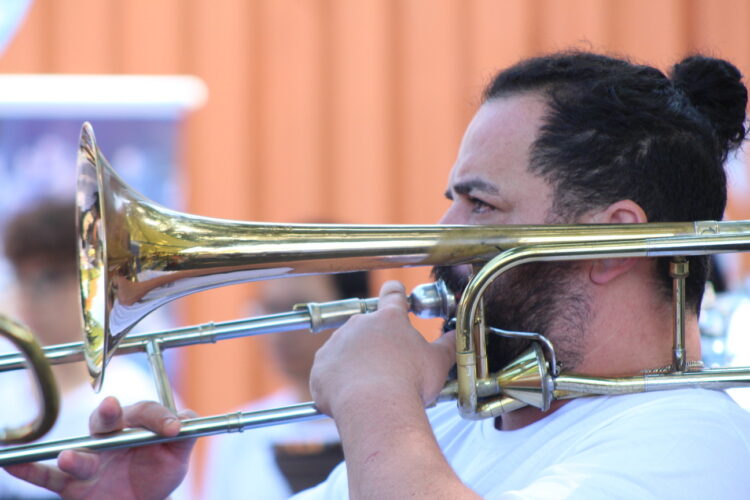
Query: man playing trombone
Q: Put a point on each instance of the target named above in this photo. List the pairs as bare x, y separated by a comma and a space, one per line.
573, 138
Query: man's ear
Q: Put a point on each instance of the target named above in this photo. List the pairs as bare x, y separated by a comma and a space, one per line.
621, 212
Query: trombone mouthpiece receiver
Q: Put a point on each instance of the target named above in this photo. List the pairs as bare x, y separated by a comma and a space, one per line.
431, 300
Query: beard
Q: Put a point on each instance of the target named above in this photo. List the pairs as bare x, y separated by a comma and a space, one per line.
548, 298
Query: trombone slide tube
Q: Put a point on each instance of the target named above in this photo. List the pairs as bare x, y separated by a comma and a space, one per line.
572, 386
679, 270
180, 337
430, 300
192, 428
565, 387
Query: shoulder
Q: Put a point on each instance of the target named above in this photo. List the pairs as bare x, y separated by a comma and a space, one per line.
691, 443
687, 409
690, 420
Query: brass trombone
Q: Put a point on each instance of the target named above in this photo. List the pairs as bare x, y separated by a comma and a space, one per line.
136, 256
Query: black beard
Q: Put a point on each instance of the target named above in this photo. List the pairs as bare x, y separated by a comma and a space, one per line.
542, 297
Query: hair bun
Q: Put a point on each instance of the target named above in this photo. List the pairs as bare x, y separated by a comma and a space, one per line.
715, 88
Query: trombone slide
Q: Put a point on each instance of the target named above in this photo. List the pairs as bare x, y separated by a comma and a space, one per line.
430, 300
192, 428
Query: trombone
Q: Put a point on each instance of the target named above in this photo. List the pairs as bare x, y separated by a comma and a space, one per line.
135, 256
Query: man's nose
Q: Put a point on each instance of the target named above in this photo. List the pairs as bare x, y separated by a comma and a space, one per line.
450, 216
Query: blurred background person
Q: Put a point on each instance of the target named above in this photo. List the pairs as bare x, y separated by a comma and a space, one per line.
275, 462
724, 321
40, 244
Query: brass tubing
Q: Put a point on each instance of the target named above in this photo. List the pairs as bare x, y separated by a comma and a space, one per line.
429, 300
708, 238
543, 341
481, 333
179, 337
159, 374
192, 428
566, 386
678, 270
30, 350
497, 407
571, 386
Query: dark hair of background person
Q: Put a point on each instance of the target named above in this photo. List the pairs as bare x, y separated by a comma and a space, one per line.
617, 130
45, 231
352, 285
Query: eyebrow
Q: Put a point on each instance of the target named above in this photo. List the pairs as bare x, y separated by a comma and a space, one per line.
466, 187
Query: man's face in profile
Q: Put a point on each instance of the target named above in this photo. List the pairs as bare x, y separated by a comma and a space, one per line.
491, 184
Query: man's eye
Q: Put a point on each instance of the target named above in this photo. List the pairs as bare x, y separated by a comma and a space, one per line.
478, 206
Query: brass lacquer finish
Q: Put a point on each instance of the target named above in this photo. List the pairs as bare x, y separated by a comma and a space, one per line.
722, 237
30, 350
136, 256
679, 269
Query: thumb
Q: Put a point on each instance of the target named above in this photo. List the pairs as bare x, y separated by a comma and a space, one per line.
446, 346
393, 294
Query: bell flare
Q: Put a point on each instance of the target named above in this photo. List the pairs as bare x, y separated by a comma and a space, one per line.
527, 379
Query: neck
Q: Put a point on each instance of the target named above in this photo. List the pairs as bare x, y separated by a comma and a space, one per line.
632, 330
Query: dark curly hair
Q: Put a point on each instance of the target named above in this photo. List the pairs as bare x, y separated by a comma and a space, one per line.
617, 130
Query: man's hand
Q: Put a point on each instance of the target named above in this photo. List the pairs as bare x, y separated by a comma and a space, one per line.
147, 472
374, 376
380, 353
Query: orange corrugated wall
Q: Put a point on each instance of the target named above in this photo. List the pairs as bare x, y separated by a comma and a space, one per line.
339, 109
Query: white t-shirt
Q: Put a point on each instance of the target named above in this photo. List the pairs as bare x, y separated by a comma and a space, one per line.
681, 444
738, 347
243, 466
